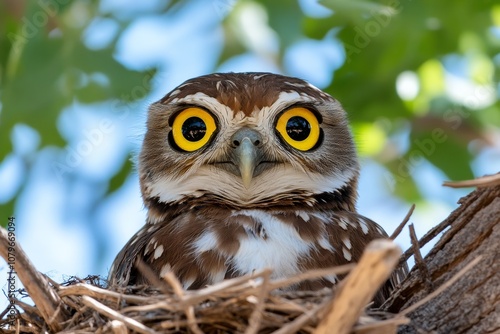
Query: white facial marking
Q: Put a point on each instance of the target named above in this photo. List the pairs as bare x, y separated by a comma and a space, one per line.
280, 251
284, 179
347, 254
158, 252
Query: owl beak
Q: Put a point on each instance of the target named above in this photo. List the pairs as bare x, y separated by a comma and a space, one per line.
246, 154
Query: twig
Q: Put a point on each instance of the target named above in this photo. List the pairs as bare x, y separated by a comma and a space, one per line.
381, 324
171, 279
419, 261
430, 235
150, 275
398, 229
484, 181
240, 283
118, 327
442, 288
300, 321
256, 316
311, 274
96, 292
45, 298
112, 314
376, 265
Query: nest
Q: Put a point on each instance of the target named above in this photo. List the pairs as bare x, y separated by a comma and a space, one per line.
248, 304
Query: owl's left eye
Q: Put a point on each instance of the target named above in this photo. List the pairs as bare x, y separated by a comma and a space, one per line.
192, 129
299, 128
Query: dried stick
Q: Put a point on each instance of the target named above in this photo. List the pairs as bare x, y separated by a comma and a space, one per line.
311, 274
439, 290
376, 265
300, 321
96, 292
382, 326
112, 314
256, 316
398, 229
45, 298
171, 279
419, 261
484, 181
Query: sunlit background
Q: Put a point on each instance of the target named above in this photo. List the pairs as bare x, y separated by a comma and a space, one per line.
419, 81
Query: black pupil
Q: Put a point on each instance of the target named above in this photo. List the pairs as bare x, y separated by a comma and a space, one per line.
298, 128
194, 129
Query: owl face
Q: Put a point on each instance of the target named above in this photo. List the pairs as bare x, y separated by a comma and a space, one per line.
247, 139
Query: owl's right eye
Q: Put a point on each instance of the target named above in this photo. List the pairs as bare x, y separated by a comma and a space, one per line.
192, 129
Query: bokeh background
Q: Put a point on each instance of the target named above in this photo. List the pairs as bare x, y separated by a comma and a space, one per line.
419, 79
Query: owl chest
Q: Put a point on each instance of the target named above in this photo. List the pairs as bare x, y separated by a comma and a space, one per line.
263, 240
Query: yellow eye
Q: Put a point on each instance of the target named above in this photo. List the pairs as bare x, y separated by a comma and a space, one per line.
299, 127
192, 129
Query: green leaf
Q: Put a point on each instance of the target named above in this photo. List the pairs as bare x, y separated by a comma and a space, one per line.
443, 150
119, 178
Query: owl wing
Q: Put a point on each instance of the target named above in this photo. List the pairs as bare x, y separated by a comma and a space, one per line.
349, 233
171, 245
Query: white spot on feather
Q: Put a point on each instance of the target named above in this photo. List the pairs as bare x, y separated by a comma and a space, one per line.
158, 252
188, 282
305, 217
295, 84
207, 241
217, 277
332, 278
347, 242
347, 254
363, 225
165, 269
257, 77
175, 92
281, 250
343, 223
325, 244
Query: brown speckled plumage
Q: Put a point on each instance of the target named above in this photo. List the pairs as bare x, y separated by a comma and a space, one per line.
205, 224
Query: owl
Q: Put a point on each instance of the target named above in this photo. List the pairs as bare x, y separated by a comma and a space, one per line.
246, 171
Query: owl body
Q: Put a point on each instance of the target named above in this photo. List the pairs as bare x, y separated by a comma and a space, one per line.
245, 171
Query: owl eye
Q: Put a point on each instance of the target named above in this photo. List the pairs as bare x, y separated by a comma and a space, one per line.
299, 128
192, 129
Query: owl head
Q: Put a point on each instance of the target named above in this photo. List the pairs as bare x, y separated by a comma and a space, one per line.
248, 140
